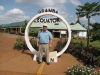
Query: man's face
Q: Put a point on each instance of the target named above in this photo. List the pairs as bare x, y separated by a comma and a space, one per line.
44, 28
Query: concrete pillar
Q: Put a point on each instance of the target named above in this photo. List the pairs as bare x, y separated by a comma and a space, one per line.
60, 33
20, 30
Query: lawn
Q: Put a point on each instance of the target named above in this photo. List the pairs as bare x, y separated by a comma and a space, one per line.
95, 44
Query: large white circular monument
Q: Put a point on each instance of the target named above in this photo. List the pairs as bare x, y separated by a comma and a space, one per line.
43, 14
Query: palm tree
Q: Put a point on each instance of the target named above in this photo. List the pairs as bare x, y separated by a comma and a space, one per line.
89, 10
78, 13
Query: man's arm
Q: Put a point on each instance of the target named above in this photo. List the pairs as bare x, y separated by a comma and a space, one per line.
50, 42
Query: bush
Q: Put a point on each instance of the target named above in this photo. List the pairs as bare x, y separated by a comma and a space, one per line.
20, 44
82, 70
33, 32
12, 32
90, 55
60, 44
34, 43
95, 31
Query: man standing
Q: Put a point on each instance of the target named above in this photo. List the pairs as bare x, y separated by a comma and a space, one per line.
44, 42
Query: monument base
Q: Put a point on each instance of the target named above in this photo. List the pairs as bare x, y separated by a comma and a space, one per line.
52, 56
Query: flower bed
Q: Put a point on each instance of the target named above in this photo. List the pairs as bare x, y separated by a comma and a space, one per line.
90, 55
82, 70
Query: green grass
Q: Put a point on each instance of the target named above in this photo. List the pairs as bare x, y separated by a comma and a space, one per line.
95, 44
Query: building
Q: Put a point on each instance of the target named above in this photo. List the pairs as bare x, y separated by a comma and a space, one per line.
14, 28
58, 29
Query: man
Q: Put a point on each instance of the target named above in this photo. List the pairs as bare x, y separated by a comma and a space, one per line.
44, 42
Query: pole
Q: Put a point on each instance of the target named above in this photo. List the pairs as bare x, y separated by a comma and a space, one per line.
88, 29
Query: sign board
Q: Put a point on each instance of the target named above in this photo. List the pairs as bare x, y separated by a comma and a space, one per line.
52, 57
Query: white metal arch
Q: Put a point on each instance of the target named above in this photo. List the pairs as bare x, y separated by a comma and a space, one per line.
42, 14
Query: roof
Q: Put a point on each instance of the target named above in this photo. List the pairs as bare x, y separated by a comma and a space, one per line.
15, 24
59, 25
77, 26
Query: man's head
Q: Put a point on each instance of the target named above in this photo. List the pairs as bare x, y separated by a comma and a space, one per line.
44, 27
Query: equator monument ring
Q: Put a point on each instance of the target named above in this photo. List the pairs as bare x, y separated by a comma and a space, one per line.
56, 55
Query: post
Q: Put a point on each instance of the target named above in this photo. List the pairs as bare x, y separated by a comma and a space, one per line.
88, 29
20, 30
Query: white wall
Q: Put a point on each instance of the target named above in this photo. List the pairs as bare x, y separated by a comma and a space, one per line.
82, 34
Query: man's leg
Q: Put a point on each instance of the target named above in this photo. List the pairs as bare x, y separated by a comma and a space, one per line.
47, 53
40, 53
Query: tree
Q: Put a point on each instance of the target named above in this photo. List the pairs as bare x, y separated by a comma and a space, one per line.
78, 13
89, 10
95, 31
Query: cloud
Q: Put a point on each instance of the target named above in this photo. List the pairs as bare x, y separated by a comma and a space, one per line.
1, 8
60, 5
15, 11
13, 15
49, 2
42, 2
83, 18
16, 14
75, 2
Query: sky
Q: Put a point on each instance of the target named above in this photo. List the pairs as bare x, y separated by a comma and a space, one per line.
20, 10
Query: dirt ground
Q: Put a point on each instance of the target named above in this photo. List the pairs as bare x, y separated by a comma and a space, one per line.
17, 62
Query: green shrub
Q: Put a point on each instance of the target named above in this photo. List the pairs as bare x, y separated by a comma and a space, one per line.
82, 70
98, 61
90, 55
12, 32
34, 43
20, 44
60, 44
33, 32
